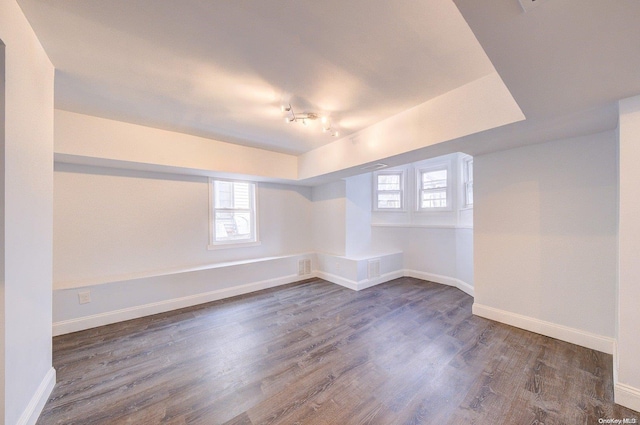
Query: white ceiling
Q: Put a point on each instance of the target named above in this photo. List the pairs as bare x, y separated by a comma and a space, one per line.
221, 69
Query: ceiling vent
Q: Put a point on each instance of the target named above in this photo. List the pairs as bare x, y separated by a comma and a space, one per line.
527, 5
373, 167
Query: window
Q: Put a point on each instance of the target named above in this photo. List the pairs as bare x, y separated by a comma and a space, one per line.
388, 191
468, 182
433, 189
233, 212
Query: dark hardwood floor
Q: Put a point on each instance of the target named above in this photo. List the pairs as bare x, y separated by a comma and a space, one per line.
404, 352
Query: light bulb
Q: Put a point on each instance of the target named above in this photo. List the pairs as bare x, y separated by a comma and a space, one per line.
324, 120
286, 119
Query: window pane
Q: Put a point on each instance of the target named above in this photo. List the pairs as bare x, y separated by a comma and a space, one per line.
389, 200
388, 182
433, 199
470, 170
241, 196
223, 194
232, 195
434, 179
232, 226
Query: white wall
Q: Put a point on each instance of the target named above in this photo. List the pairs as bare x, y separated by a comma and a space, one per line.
138, 241
437, 245
627, 387
27, 373
329, 218
358, 215
99, 141
111, 223
545, 237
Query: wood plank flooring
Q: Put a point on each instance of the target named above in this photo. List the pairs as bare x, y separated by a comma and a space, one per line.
404, 352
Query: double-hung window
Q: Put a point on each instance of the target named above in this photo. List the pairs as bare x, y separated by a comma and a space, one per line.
433, 189
388, 189
468, 182
233, 212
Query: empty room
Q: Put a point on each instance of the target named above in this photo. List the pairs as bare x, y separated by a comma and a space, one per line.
296, 212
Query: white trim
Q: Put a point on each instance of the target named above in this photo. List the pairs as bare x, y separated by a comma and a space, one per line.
338, 280
101, 319
623, 394
164, 272
564, 333
442, 166
426, 226
374, 196
233, 245
253, 211
444, 280
627, 396
615, 363
368, 283
362, 284
39, 399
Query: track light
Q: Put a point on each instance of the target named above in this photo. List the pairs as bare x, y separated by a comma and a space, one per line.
304, 118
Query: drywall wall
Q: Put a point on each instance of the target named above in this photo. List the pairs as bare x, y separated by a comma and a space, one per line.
437, 245
146, 235
545, 237
27, 373
627, 387
99, 141
329, 218
358, 214
113, 224
171, 290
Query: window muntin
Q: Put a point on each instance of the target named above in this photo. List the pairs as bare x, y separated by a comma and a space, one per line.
433, 189
233, 218
389, 191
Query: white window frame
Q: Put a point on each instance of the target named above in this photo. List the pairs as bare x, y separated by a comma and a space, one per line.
253, 211
468, 182
418, 197
376, 192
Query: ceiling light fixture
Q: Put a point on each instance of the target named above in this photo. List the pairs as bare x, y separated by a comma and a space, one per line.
305, 117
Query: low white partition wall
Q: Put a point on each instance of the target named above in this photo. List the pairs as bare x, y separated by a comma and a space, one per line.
360, 272
157, 292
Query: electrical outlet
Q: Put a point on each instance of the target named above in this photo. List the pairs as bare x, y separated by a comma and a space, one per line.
84, 297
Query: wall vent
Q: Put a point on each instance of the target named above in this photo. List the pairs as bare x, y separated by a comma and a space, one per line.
374, 268
373, 167
304, 267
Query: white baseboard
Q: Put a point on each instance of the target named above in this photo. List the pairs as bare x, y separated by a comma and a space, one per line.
39, 399
93, 321
368, 283
627, 396
338, 280
445, 280
362, 284
564, 333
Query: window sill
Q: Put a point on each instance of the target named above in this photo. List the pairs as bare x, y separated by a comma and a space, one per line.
212, 247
